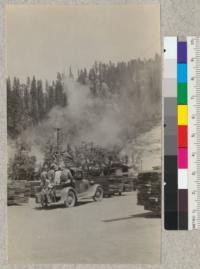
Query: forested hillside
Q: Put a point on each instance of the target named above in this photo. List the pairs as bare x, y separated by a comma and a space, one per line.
29, 103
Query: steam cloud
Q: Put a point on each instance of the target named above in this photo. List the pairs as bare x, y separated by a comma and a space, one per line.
113, 120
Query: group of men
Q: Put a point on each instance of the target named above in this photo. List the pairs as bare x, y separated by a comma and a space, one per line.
54, 176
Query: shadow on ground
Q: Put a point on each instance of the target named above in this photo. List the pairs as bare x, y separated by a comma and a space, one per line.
141, 215
15, 204
58, 206
79, 203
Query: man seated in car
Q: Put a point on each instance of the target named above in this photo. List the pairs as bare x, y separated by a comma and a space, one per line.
45, 182
66, 176
51, 182
58, 172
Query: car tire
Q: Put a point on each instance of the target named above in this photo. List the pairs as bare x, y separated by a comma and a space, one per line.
98, 194
70, 200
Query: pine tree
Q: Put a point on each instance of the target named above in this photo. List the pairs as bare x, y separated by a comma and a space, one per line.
34, 104
59, 90
26, 99
71, 76
40, 100
10, 109
17, 107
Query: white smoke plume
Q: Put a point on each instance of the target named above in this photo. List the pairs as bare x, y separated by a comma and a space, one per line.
112, 120
145, 150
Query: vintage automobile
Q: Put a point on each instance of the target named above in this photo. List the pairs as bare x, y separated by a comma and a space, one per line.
111, 185
149, 190
116, 185
128, 184
69, 193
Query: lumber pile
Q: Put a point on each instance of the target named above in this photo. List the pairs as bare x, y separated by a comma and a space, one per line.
149, 191
18, 192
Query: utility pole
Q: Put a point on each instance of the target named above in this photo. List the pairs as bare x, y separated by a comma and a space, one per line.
58, 144
58, 139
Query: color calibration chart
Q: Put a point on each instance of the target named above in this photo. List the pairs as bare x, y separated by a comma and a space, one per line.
181, 91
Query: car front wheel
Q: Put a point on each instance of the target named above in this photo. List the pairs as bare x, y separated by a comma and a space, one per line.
70, 200
98, 194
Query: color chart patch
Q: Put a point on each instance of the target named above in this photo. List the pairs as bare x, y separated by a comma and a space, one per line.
181, 90
176, 119
170, 133
182, 130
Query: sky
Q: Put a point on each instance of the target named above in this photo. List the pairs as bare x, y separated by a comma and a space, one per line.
43, 40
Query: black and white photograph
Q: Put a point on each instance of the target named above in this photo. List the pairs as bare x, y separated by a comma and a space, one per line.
83, 134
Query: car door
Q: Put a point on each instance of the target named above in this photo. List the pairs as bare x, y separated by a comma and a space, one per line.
82, 185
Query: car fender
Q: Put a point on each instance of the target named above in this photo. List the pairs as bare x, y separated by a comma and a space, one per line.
65, 191
93, 188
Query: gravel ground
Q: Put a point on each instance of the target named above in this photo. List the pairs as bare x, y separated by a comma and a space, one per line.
114, 230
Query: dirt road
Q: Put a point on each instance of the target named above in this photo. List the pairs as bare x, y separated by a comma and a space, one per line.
114, 230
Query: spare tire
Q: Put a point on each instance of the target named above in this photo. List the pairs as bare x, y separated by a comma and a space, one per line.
98, 194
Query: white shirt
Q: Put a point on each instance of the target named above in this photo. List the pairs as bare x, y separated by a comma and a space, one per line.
57, 177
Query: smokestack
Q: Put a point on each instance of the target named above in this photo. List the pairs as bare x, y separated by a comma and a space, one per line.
58, 139
58, 144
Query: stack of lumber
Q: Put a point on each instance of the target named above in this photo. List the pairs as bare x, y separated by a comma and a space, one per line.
149, 191
18, 192
153, 202
35, 187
